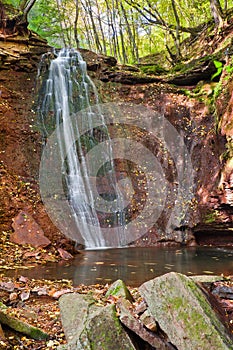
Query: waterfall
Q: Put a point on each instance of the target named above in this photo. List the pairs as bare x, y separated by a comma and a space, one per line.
110, 173
68, 100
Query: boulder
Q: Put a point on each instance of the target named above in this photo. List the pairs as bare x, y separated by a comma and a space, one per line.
184, 314
88, 326
135, 325
27, 231
22, 327
119, 289
206, 278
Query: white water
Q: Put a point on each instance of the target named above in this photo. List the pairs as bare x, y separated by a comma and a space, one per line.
66, 92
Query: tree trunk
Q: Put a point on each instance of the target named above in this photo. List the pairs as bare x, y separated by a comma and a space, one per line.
26, 7
217, 12
14, 21
76, 23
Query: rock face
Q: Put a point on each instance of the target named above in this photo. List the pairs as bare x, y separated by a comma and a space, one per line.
193, 119
20, 140
184, 314
21, 53
224, 105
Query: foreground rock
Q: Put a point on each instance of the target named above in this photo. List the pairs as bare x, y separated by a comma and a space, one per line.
171, 313
119, 289
141, 328
20, 326
88, 326
184, 314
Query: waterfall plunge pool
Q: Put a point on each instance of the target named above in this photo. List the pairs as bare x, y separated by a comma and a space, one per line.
133, 265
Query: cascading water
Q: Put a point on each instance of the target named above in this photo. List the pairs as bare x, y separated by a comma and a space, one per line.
109, 173
66, 100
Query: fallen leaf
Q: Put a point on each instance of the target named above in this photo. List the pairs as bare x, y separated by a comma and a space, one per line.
40, 290
13, 296
25, 295
59, 293
23, 279
64, 254
8, 286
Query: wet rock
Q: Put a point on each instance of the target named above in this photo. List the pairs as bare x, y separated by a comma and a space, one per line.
27, 231
219, 233
88, 326
20, 326
119, 289
184, 314
64, 254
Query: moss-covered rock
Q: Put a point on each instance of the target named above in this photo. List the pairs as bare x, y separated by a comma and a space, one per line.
88, 326
22, 327
119, 289
184, 313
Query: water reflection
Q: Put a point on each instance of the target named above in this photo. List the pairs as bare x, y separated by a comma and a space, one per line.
134, 265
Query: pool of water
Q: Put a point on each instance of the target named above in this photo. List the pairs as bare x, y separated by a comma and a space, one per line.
134, 265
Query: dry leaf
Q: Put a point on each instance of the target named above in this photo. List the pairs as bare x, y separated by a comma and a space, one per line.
59, 293
13, 296
8, 286
25, 295
23, 279
64, 254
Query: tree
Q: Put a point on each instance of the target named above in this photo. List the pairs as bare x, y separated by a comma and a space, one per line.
217, 12
126, 29
14, 19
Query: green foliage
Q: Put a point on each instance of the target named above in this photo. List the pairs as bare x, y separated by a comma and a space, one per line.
211, 217
14, 3
219, 67
229, 69
44, 20
126, 29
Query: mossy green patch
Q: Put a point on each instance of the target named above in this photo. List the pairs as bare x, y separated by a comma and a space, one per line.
152, 69
22, 327
211, 217
119, 289
184, 314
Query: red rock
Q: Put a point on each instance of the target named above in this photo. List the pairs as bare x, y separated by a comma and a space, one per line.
27, 231
64, 254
